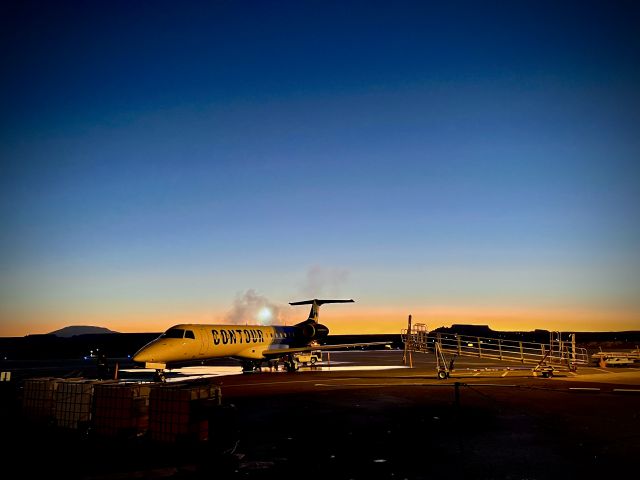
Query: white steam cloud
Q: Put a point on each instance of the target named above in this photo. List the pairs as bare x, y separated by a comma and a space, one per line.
251, 308
324, 281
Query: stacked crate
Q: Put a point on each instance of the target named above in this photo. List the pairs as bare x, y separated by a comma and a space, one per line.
178, 411
73, 403
38, 398
120, 409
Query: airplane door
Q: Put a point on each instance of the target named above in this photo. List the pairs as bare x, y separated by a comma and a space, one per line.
203, 341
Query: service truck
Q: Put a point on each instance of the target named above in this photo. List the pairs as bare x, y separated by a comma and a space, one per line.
308, 358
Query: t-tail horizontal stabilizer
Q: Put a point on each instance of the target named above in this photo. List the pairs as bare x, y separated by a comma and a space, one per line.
315, 306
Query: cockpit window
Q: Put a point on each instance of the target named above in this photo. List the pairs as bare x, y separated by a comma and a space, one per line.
189, 334
174, 333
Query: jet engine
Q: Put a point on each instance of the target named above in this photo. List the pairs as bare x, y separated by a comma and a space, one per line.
314, 331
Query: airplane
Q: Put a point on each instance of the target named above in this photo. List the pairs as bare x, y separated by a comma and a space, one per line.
251, 344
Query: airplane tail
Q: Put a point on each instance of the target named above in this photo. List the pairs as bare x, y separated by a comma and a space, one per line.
315, 307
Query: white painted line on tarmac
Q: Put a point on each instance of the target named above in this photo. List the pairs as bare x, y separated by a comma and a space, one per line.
505, 373
627, 390
585, 389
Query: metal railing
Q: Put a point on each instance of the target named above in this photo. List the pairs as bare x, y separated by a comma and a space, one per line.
553, 353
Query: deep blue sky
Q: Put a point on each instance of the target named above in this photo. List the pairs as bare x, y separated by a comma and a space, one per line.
159, 159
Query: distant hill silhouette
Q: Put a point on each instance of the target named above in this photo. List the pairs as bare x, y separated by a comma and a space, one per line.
74, 330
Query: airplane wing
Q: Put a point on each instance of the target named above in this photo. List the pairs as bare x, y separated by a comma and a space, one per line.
278, 352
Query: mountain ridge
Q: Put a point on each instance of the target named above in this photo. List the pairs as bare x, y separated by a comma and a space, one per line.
73, 330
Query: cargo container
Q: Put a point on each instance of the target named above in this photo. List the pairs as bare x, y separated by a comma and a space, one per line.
38, 398
73, 402
120, 409
179, 411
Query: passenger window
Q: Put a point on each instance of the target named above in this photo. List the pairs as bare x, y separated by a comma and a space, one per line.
189, 334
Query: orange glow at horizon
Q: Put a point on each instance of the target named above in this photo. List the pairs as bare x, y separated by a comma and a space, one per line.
386, 320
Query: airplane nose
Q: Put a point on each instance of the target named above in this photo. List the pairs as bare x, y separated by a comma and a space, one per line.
141, 356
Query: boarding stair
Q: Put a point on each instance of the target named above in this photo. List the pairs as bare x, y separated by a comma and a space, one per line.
559, 354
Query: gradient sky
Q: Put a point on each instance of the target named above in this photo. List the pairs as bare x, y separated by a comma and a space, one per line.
168, 162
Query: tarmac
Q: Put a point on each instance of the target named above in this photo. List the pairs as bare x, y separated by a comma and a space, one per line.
364, 415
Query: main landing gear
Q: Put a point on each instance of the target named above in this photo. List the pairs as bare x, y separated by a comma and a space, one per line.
251, 366
290, 364
255, 366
